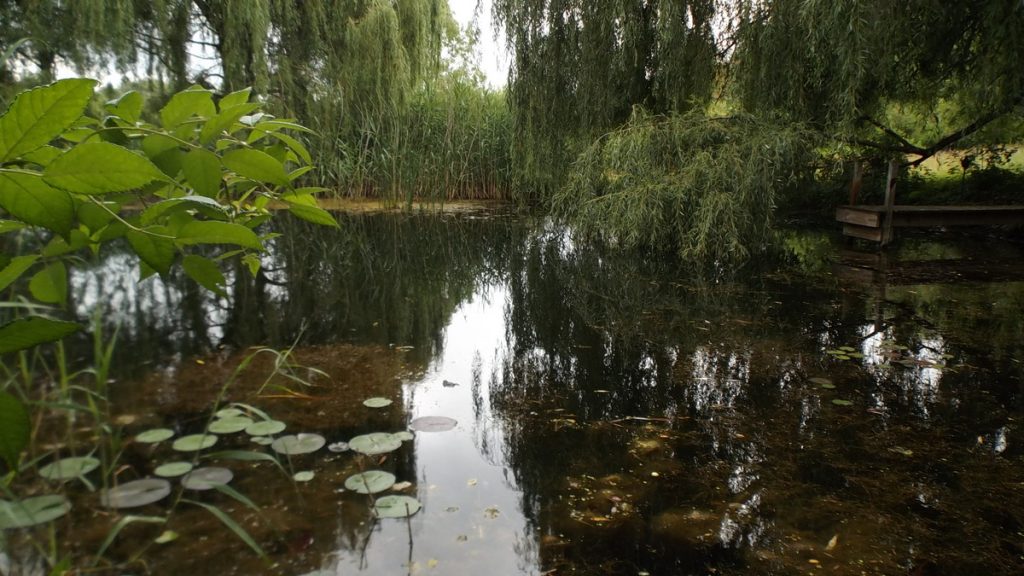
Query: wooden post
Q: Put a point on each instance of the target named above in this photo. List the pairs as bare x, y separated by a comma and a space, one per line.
855, 184
890, 201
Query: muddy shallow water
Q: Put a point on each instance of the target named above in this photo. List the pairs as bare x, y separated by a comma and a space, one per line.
828, 413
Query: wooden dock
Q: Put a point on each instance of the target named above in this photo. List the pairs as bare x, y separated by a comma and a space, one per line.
878, 223
871, 222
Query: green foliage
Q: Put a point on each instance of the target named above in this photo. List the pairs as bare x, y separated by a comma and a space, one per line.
14, 429
704, 187
579, 68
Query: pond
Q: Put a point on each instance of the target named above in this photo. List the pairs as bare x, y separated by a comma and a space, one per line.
829, 412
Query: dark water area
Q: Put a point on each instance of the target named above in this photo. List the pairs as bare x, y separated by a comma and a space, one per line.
828, 412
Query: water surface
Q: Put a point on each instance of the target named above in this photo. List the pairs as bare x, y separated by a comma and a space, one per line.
615, 415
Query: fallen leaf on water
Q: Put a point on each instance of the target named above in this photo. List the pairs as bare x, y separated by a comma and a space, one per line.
471, 482
832, 543
432, 563
492, 512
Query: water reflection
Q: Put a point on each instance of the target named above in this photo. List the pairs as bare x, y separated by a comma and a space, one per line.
619, 415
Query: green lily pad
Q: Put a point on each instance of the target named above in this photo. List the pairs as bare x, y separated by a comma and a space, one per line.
839, 402
207, 478
298, 444
842, 357
262, 440
370, 482
194, 442
404, 435
375, 443
173, 469
394, 506
265, 428
432, 424
847, 349
32, 511
69, 468
136, 493
229, 413
304, 476
230, 425
377, 402
155, 435
820, 381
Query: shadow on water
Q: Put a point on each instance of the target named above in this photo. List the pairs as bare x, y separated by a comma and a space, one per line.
616, 415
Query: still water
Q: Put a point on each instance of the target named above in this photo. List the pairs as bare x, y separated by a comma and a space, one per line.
614, 415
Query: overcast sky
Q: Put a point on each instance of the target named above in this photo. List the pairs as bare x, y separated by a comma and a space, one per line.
493, 59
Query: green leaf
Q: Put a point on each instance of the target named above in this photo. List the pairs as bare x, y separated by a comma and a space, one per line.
207, 232
312, 214
112, 535
28, 332
32, 511
50, 285
15, 269
100, 168
14, 429
31, 200
42, 114
235, 98
127, 107
193, 101
156, 251
203, 172
206, 272
295, 145
231, 524
166, 208
94, 217
165, 152
42, 155
224, 121
256, 165
11, 226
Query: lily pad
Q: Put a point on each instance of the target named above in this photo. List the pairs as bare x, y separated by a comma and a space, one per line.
375, 443
263, 440
370, 482
840, 402
338, 447
230, 425
32, 511
404, 435
207, 478
298, 444
394, 506
433, 424
376, 402
69, 468
819, 380
155, 435
194, 442
173, 469
304, 476
265, 428
136, 493
229, 413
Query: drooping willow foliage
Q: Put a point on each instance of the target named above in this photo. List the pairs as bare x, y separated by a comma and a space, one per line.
579, 67
704, 187
840, 63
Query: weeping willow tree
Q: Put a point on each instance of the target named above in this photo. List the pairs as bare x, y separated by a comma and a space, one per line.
702, 186
579, 67
844, 65
839, 67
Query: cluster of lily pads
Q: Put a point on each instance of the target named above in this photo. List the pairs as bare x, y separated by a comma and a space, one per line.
262, 429
827, 384
844, 353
